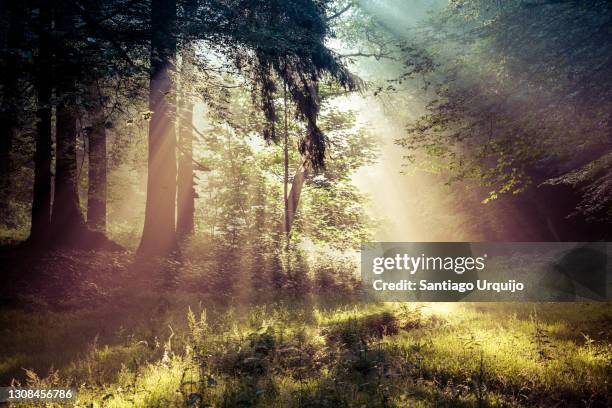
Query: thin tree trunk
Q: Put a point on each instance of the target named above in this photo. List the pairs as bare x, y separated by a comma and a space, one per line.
293, 198
287, 225
186, 194
41, 199
96, 194
159, 234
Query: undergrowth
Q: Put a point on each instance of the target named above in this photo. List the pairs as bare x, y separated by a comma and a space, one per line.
155, 342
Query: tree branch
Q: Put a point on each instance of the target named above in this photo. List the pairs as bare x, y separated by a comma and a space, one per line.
378, 56
340, 12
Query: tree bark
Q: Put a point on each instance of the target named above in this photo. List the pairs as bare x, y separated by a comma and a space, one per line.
286, 224
96, 194
159, 234
185, 198
41, 198
10, 101
293, 197
67, 221
67, 215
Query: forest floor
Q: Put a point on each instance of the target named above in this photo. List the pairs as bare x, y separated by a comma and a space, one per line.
171, 334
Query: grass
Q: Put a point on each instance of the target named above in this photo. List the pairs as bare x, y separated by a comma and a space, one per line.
134, 340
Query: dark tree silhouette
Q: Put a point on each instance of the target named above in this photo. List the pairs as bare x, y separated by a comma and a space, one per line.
9, 114
67, 220
41, 198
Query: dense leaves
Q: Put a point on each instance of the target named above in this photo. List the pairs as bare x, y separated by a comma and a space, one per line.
520, 95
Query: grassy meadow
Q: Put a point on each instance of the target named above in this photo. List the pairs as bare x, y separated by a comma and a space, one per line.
126, 335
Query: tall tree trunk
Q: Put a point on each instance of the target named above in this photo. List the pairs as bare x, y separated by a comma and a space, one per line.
41, 199
67, 221
96, 194
185, 198
286, 224
67, 215
10, 100
159, 234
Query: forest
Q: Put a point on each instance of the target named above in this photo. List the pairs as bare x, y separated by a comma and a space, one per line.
186, 185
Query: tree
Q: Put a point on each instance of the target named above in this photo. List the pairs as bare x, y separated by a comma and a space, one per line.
41, 197
159, 234
185, 197
67, 220
89, 44
299, 56
519, 103
79, 45
97, 165
113, 47
332, 210
9, 112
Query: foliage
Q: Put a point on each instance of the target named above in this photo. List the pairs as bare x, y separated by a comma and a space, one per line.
520, 94
241, 195
279, 354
